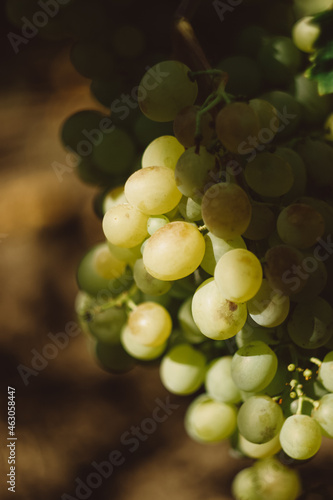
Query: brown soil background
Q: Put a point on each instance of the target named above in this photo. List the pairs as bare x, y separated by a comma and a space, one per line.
72, 413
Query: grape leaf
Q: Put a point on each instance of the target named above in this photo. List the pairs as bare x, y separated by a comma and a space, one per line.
321, 69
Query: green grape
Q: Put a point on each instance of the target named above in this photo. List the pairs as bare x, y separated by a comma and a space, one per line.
96, 273
253, 366
114, 152
289, 111
153, 190
315, 284
193, 171
248, 333
236, 124
300, 225
318, 159
311, 7
106, 326
325, 374
191, 332
215, 248
165, 89
269, 175
92, 60
128, 41
76, 130
296, 163
163, 151
113, 358
268, 307
125, 226
147, 283
138, 350
324, 415
245, 487
190, 209
259, 419
215, 316
262, 223
282, 266
184, 127
300, 437
305, 34
250, 39
182, 369
128, 255
268, 119
314, 106
146, 131
257, 451
323, 208
311, 324
276, 481
174, 251
115, 196
279, 60
226, 210
150, 324
244, 74
219, 384
90, 174
155, 223
238, 275
106, 91
210, 421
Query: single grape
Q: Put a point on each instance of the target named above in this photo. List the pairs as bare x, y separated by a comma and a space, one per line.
155, 223
311, 324
219, 384
257, 451
314, 106
147, 283
163, 151
210, 421
216, 317
300, 437
269, 175
115, 196
106, 326
113, 151
226, 210
259, 419
75, 127
238, 275
300, 225
190, 209
187, 323
174, 251
283, 269
150, 324
193, 171
324, 415
182, 369
268, 307
235, 124
253, 366
165, 89
113, 358
138, 350
152, 190
125, 226
325, 374
215, 248
279, 60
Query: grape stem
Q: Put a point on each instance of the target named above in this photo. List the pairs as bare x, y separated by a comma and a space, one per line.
123, 298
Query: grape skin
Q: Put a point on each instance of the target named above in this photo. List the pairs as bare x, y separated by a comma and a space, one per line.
300, 437
259, 419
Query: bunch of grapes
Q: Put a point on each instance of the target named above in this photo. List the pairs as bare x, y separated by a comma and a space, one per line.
218, 248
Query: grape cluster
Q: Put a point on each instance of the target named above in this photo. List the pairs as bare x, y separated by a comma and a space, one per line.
218, 250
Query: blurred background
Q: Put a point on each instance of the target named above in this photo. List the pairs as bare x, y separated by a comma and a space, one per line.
71, 413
